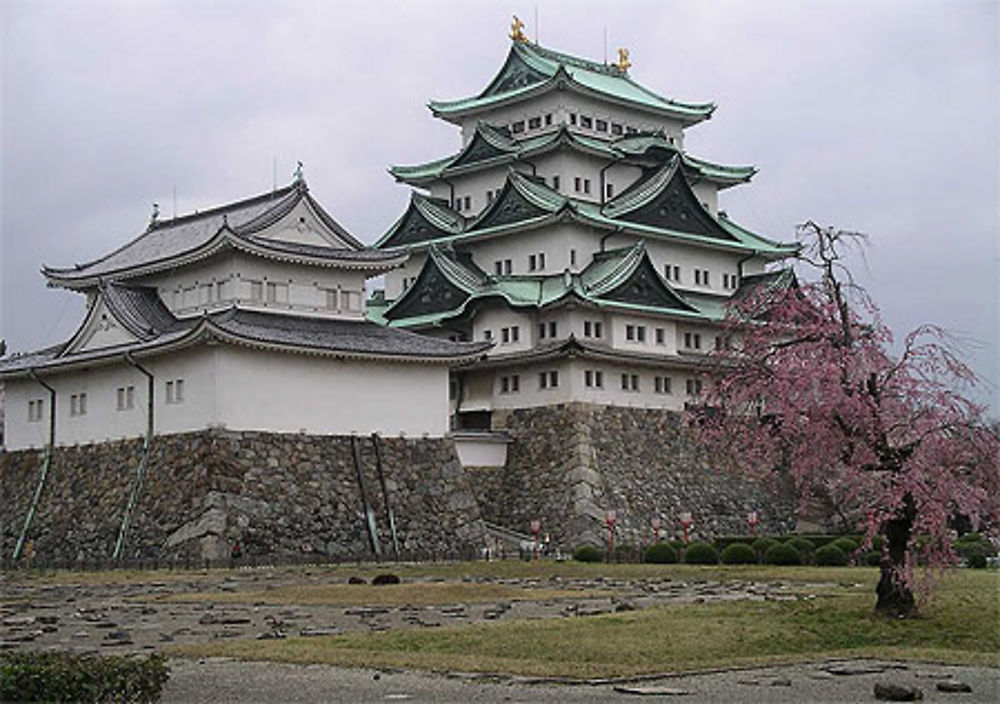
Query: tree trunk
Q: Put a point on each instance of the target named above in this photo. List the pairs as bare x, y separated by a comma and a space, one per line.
895, 598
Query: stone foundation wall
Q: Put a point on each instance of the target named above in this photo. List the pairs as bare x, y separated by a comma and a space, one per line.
277, 494
570, 463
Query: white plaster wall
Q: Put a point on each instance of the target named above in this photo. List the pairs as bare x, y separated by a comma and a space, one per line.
479, 452
186, 291
324, 395
103, 331
555, 241
619, 341
395, 278
495, 319
708, 194
103, 421
688, 257
302, 225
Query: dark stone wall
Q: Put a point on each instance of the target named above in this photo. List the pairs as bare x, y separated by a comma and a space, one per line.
278, 494
570, 463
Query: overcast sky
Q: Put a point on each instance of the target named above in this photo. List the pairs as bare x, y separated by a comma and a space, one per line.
871, 115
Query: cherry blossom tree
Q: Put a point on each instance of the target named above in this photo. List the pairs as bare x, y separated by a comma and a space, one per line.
811, 388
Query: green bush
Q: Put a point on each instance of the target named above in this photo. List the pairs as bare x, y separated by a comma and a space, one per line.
848, 545
804, 546
660, 554
762, 545
782, 554
830, 556
34, 677
975, 556
972, 544
588, 553
699, 553
626, 552
678, 545
872, 559
738, 554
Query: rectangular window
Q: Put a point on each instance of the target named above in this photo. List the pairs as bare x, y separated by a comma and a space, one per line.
601, 125
515, 383
468, 202
624, 382
543, 380
701, 277
616, 129
631, 130
630, 332
36, 409
458, 205
351, 300
597, 329
541, 331
587, 328
658, 384
220, 290
552, 328
634, 380
507, 266
272, 292
572, 118
487, 335
126, 397
331, 296
588, 378
505, 335
534, 123
517, 127
532, 262
548, 119
610, 190
671, 272
498, 267
572, 257
256, 291
586, 185
577, 183
78, 404
661, 336
555, 183
553, 379
693, 387
662, 384
505, 384
692, 340
640, 333
489, 196
541, 260
586, 122
515, 333
206, 293
599, 379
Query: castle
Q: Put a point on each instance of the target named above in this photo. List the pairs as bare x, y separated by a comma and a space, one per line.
550, 296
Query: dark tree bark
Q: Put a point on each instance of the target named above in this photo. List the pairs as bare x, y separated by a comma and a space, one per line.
895, 598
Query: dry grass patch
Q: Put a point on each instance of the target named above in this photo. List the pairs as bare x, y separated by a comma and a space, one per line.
962, 626
416, 594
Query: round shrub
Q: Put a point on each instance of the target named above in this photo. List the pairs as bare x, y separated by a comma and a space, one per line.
699, 553
678, 545
976, 558
762, 545
802, 545
588, 553
738, 554
830, 556
782, 554
848, 545
660, 554
872, 559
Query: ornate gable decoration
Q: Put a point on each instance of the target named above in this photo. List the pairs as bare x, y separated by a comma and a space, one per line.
479, 149
675, 207
509, 207
414, 227
514, 74
432, 292
644, 287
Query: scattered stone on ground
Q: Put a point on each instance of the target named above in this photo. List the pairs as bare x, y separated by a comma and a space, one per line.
954, 687
892, 692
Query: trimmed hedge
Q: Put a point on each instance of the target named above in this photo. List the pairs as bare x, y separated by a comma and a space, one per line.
762, 545
830, 556
739, 554
588, 553
803, 546
660, 554
782, 554
699, 553
46, 677
847, 544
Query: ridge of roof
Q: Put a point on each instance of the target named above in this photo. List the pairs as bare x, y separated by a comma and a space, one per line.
640, 192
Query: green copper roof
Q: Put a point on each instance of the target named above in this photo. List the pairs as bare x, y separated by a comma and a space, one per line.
526, 202
644, 147
624, 277
531, 69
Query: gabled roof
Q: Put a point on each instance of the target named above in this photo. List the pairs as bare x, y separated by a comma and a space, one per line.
622, 278
531, 70
158, 332
643, 147
425, 219
170, 243
662, 205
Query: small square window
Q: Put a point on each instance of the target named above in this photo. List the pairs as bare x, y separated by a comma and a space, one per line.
631, 130
534, 123
487, 335
572, 118
661, 336
601, 125
505, 335
548, 119
640, 333
586, 122
517, 127
552, 328
610, 190
597, 329
616, 129
630, 332
553, 379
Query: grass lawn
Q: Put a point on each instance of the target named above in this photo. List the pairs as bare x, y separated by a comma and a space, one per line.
962, 625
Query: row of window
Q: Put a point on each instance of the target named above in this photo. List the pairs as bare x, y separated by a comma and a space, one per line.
702, 277
269, 291
124, 395
507, 334
594, 379
586, 122
536, 262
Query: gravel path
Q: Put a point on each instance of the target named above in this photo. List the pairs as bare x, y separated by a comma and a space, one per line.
221, 680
